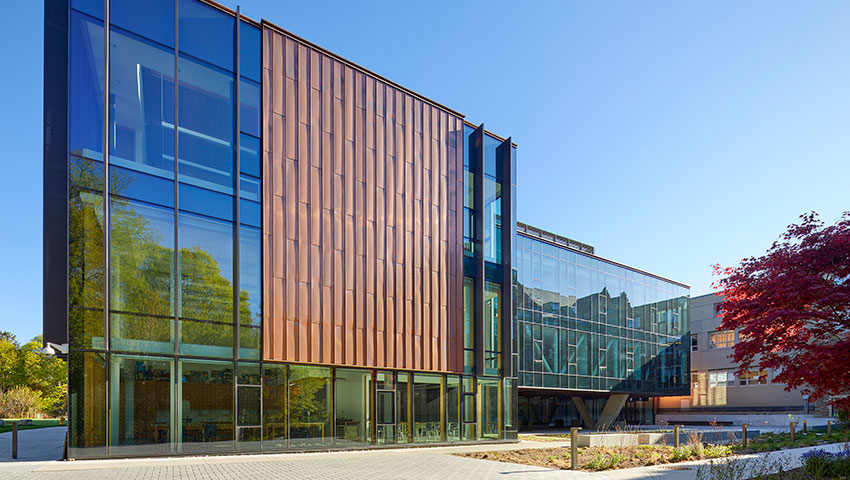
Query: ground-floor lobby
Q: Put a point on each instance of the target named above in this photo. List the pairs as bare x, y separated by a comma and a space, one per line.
539, 409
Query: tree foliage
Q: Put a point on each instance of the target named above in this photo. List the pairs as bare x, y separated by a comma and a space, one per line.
24, 367
792, 308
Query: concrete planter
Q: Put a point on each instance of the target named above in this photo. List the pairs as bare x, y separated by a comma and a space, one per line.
651, 438
608, 440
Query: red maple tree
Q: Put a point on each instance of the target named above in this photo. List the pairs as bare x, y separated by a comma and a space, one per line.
792, 309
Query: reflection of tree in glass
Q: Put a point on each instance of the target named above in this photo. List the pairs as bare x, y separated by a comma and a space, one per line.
85, 234
306, 403
141, 269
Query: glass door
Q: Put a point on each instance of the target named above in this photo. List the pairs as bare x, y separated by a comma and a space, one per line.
385, 411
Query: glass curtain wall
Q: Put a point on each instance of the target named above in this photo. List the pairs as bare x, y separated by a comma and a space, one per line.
585, 323
165, 265
484, 292
175, 251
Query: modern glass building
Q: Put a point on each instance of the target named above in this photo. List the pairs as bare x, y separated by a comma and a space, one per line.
598, 341
252, 244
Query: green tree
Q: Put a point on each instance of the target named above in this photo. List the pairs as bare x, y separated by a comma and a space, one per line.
25, 366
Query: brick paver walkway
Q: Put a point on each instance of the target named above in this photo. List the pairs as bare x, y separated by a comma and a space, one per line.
418, 463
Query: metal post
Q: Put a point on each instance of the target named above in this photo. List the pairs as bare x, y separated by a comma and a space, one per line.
793, 424
14, 439
574, 448
805, 427
744, 434
676, 436
829, 428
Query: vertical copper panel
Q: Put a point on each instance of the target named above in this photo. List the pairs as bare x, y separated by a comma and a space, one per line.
361, 218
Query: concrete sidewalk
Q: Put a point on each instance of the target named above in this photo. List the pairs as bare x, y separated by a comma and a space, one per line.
34, 445
412, 463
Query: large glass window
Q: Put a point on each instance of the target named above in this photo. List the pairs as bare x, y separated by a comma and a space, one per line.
141, 258
309, 406
489, 397
385, 407
85, 267
205, 112
468, 331
197, 24
87, 404
453, 399
85, 86
153, 19
206, 291
492, 220
249, 110
250, 50
250, 295
141, 409
468, 409
248, 406
206, 408
274, 406
352, 389
492, 327
142, 111
721, 339
426, 407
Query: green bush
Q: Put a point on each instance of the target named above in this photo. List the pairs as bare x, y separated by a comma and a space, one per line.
20, 402
682, 453
601, 461
717, 451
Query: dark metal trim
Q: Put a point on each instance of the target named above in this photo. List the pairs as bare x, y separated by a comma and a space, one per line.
236, 231
476, 160
497, 137
106, 218
508, 228
106, 187
237, 193
176, 424
55, 176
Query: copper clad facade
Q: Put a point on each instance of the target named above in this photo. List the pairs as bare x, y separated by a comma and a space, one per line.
362, 213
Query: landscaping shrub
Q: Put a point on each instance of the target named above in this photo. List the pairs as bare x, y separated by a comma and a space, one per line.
682, 453
20, 402
820, 463
717, 451
602, 461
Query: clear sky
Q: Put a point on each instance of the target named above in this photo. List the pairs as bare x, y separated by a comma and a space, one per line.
669, 135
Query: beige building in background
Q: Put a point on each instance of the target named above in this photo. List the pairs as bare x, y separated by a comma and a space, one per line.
715, 388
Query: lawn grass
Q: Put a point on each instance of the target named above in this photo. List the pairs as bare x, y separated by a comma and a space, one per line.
7, 427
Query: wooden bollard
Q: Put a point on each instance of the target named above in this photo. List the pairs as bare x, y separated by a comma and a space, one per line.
574, 448
805, 427
15, 440
744, 434
793, 424
829, 428
676, 436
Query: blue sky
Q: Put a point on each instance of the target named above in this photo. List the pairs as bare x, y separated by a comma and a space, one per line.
669, 135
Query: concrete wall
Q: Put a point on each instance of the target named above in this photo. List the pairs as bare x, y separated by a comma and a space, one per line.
728, 398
